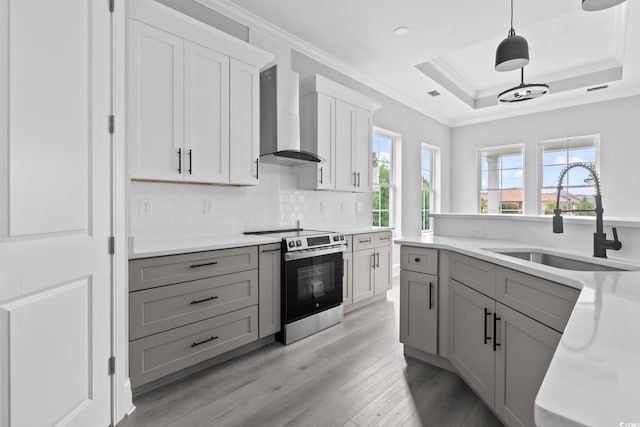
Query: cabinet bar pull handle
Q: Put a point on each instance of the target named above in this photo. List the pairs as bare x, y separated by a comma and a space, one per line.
373, 260
354, 179
430, 295
496, 344
198, 301
384, 238
180, 160
377, 259
195, 344
358, 179
486, 313
271, 250
321, 175
258, 168
365, 241
190, 161
203, 265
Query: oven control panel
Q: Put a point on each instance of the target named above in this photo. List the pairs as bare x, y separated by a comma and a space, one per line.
312, 242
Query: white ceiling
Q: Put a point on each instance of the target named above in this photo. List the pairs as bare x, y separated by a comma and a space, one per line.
451, 45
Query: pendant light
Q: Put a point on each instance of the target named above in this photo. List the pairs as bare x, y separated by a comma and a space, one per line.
593, 5
524, 91
512, 52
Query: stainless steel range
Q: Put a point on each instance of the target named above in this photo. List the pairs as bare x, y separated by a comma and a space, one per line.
312, 269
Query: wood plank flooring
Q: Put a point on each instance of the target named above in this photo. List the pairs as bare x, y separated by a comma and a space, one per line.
353, 374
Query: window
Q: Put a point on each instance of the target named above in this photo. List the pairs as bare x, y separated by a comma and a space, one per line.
382, 179
426, 169
502, 180
578, 190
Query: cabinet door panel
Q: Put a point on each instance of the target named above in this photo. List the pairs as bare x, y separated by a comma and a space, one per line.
347, 279
361, 150
419, 311
270, 295
468, 352
345, 134
477, 274
326, 141
155, 120
363, 262
244, 118
526, 349
206, 114
383, 269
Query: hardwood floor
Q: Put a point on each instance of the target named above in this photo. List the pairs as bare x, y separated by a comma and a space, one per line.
353, 374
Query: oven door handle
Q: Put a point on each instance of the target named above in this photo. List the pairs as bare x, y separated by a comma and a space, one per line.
293, 256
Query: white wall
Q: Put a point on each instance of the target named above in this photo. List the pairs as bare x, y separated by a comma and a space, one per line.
616, 121
178, 209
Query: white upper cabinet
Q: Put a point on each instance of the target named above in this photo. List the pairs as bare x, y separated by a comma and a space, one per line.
206, 114
245, 123
193, 100
336, 124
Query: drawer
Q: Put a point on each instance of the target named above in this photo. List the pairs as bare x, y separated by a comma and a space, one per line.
167, 307
548, 302
420, 260
166, 270
477, 274
162, 354
362, 241
382, 238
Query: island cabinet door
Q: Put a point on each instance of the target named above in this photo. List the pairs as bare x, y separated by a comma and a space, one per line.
419, 311
525, 351
471, 338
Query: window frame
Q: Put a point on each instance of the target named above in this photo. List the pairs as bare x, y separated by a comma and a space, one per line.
571, 142
394, 140
432, 185
502, 150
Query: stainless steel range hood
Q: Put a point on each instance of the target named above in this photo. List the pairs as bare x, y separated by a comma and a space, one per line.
280, 119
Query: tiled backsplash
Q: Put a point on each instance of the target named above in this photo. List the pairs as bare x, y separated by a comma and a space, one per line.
187, 210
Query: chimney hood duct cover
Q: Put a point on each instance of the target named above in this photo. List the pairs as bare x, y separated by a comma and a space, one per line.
280, 120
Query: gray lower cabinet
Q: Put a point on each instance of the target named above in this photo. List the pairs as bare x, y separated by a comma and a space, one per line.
471, 338
419, 311
184, 309
383, 269
525, 351
347, 279
363, 274
372, 265
269, 289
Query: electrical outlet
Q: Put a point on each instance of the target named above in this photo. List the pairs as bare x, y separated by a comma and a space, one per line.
146, 207
323, 206
359, 206
341, 206
208, 207
476, 230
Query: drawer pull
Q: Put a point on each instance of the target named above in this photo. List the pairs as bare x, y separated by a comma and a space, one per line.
198, 301
271, 250
203, 265
430, 295
195, 344
417, 259
365, 241
486, 313
384, 238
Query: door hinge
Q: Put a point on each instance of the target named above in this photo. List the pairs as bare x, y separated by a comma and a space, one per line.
112, 245
112, 365
112, 124
112, 5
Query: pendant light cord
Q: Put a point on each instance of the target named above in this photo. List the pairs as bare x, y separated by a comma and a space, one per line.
512, 32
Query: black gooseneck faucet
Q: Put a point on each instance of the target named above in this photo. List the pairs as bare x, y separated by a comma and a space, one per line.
600, 242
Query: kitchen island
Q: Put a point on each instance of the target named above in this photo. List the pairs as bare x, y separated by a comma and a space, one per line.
593, 375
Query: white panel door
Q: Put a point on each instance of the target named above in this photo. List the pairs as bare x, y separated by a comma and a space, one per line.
326, 142
345, 134
362, 146
206, 114
155, 110
244, 131
55, 150
363, 265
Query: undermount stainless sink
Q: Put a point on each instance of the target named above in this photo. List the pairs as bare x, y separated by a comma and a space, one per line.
559, 261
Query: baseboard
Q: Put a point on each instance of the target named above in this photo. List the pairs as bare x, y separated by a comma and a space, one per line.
350, 308
429, 358
247, 348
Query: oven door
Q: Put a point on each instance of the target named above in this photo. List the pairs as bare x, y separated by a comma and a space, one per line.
312, 282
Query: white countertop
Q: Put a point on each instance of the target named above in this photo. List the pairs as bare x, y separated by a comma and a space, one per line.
358, 229
151, 248
594, 376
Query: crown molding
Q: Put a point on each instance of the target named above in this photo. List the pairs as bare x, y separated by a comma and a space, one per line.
254, 22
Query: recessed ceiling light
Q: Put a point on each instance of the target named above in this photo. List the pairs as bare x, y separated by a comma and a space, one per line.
401, 31
433, 93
